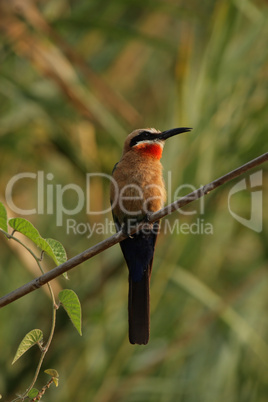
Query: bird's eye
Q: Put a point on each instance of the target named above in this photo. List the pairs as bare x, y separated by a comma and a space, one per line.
146, 134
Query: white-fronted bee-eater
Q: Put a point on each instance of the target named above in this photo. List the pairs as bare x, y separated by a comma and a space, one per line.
139, 190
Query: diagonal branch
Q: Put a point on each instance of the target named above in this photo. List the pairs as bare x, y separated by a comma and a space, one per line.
116, 238
200, 192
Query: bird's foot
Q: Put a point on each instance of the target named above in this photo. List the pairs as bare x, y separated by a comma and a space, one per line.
147, 217
125, 229
148, 225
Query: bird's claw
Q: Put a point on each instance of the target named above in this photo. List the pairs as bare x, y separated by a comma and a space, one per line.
125, 230
147, 217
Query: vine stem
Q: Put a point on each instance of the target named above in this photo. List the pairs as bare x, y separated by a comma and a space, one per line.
116, 238
45, 348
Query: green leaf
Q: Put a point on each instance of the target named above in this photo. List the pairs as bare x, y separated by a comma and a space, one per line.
43, 244
33, 393
70, 302
25, 227
52, 373
58, 250
56, 381
3, 217
33, 337
52, 247
59, 253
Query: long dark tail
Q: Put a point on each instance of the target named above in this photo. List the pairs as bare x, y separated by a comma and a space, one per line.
139, 310
138, 251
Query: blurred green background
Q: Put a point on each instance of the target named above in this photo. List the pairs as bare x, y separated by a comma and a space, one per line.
75, 78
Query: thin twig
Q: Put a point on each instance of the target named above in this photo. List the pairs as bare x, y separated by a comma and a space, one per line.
116, 238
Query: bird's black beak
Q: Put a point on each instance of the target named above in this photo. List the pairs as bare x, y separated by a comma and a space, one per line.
174, 131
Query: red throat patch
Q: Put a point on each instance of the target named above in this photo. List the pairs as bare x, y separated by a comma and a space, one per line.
150, 150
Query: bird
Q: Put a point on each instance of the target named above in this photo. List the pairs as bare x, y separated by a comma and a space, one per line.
138, 190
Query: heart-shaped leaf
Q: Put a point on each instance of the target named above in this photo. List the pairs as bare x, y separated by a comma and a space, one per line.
52, 247
70, 302
25, 227
32, 338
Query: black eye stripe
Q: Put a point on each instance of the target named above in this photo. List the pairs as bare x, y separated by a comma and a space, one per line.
144, 135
